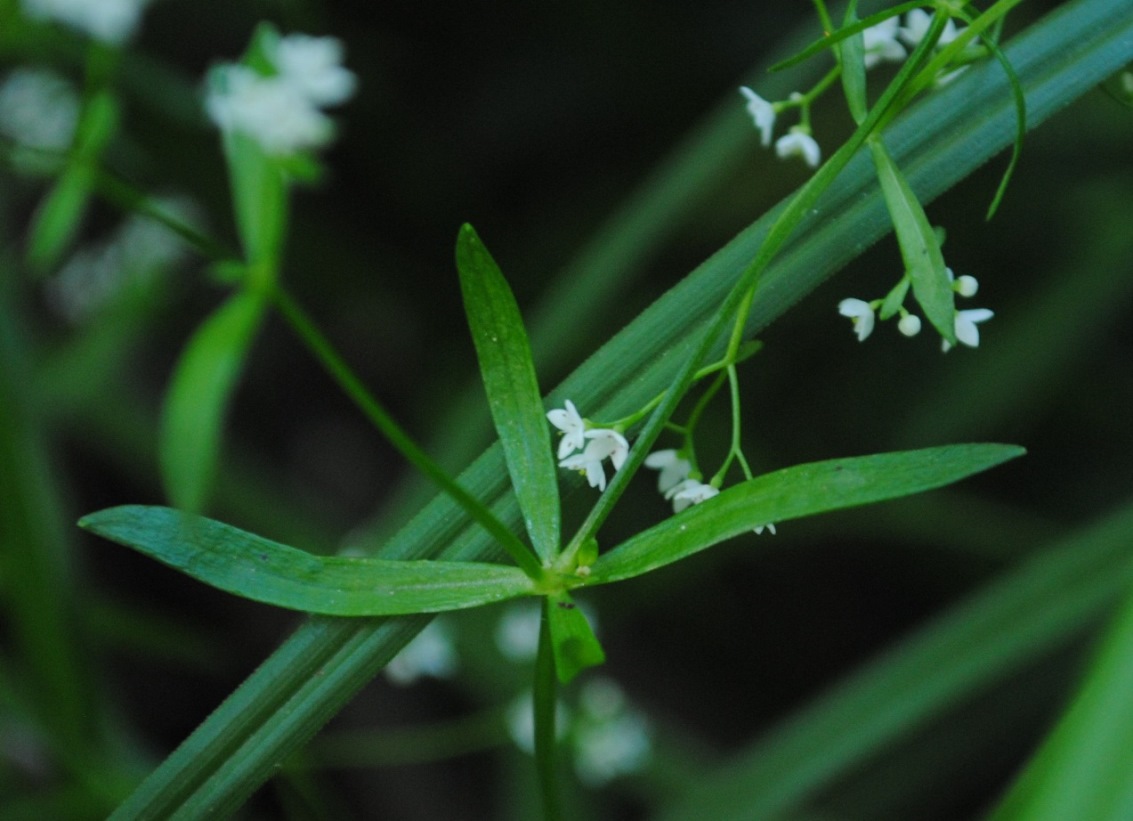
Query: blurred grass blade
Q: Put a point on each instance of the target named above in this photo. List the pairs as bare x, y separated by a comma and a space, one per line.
575, 645
938, 142
256, 568
513, 390
792, 493
920, 249
1084, 769
198, 395
1027, 613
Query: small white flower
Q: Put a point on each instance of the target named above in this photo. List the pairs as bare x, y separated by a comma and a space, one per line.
770, 526
517, 634
762, 113
861, 313
965, 326
674, 468
603, 443
111, 21
38, 108
610, 739
967, 286
431, 653
570, 422
313, 65
521, 722
909, 325
270, 110
690, 492
916, 26
881, 44
798, 142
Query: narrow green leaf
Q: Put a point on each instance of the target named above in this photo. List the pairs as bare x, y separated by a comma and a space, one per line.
920, 248
198, 394
513, 390
792, 493
1082, 769
256, 568
576, 646
851, 55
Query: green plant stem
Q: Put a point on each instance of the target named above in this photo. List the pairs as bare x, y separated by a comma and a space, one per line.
352, 386
544, 704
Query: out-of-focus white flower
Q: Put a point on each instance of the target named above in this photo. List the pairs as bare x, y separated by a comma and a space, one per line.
517, 634
909, 325
610, 738
881, 44
965, 326
111, 21
520, 720
313, 65
916, 26
573, 428
860, 312
690, 492
431, 653
798, 142
762, 113
270, 110
673, 468
758, 531
38, 108
282, 112
603, 444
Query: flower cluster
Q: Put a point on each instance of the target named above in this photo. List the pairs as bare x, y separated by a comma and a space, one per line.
676, 483
796, 142
595, 445
111, 21
282, 110
863, 314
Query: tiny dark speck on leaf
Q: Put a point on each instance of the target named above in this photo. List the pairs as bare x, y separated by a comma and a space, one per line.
565, 605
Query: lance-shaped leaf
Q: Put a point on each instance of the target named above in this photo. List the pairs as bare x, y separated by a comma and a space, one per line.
194, 406
575, 645
513, 391
797, 491
920, 249
256, 568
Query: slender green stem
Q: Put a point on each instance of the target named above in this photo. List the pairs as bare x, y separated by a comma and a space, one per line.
545, 702
352, 386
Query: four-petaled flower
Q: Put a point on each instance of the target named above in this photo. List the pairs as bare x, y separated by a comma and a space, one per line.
798, 142
762, 113
570, 422
965, 326
674, 468
861, 313
881, 44
603, 444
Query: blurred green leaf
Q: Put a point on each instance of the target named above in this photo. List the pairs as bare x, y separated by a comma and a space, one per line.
513, 390
256, 568
1084, 769
797, 491
198, 394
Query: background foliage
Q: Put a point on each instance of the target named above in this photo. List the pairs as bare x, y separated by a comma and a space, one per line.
537, 124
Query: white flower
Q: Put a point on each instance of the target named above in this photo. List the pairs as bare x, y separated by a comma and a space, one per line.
881, 43
570, 422
690, 492
674, 468
111, 21
313, 65
909, 325
861, 313
521, 722
431, 653
762, 112
270, 110
967, 286
916, 26
610, 739
517, 634
798, 142
38, 108
758, 531
603, 443
965, 326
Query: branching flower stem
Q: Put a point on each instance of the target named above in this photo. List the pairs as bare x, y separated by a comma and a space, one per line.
352, 386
